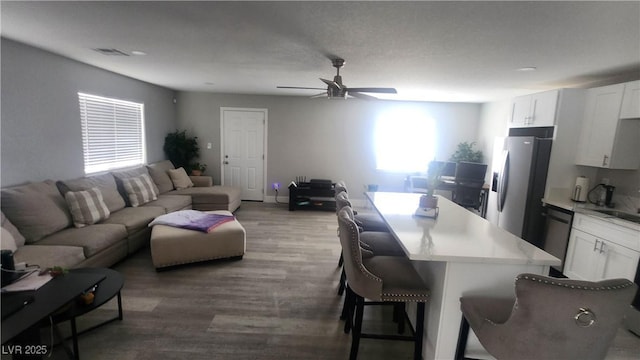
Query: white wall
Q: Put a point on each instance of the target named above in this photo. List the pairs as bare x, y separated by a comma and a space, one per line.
41, 136
319, 138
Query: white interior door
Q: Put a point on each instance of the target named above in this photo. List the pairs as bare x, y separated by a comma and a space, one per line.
243, 150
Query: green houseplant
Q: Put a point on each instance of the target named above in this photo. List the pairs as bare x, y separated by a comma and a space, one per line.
198, 169
465, 152
181, 149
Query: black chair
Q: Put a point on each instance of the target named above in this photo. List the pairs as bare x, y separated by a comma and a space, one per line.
469, 182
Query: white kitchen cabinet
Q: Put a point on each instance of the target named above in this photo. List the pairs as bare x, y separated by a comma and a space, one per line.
607, 141
631, 101
599, 253
534, 110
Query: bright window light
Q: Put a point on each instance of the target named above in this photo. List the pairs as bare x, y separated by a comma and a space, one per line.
405, 141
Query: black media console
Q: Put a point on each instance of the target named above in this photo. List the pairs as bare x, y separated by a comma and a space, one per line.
315, 194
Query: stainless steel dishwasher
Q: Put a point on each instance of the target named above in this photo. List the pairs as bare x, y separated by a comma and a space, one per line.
556, 234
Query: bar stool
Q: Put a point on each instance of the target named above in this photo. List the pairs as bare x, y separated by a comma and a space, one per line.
549, 319
368, 222
377, 242
382, 280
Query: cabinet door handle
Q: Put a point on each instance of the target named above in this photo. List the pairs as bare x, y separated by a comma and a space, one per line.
605, 159
602, 245
595, 246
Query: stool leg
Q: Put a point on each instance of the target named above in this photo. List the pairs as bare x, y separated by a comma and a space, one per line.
399, 310
343, 279
350, 299
345, 305
357, 327
417, 351
462, 339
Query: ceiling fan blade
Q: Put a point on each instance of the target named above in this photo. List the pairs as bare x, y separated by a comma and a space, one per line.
361, 96
374, 90
331, 83
298, 87
322, 94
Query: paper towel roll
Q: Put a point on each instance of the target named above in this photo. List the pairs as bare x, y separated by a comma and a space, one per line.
581, 189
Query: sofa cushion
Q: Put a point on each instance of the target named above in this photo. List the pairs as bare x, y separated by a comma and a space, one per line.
210, 195
159, 173
180, 178
36, 209
11, 230
87, 207
171, 203
48, 256
140, 190
201, 181
136, 218
129, 173
91, 239
105, 182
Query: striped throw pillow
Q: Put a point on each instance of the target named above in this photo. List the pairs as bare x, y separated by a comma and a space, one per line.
140, 190
87, 207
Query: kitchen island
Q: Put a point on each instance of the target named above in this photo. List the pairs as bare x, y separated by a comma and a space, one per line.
457, 254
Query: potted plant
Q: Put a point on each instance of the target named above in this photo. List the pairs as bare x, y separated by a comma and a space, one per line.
198, 169
465, 152
429, 200
181, 149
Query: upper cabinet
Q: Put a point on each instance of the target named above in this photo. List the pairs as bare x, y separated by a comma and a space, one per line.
606, 140
631, 101
534, 110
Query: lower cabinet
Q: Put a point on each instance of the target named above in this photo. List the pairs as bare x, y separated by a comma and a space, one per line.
592, 258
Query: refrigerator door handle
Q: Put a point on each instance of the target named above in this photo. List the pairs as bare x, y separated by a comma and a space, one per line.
503, 180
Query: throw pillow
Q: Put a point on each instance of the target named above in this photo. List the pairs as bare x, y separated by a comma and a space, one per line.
180, 178
87, 207
105, 182
140, 190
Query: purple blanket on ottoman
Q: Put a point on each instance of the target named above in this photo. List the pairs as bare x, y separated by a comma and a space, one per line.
192, 220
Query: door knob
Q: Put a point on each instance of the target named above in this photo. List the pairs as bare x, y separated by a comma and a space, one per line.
226, 163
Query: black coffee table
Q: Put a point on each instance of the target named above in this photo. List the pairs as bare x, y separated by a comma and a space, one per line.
105, 290
58, 299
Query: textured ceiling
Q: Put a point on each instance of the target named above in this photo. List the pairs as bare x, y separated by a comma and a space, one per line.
436, 51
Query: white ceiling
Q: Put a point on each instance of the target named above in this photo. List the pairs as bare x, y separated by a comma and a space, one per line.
435, 51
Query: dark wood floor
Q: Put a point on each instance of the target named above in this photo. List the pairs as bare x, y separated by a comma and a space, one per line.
278, 302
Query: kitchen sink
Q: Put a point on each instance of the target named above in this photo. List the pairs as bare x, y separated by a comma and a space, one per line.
621, 215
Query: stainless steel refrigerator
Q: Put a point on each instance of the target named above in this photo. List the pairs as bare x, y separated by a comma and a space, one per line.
519, 177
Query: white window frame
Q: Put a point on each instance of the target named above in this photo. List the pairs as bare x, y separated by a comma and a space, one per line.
113, 133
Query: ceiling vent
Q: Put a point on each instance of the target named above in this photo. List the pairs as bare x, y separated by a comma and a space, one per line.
111, 52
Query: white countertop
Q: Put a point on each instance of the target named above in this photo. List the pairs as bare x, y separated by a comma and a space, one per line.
457, 235
588, 209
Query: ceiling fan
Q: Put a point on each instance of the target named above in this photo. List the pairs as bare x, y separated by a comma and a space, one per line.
337, 90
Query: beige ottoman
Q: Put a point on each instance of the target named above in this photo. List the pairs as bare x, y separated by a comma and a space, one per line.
174, 246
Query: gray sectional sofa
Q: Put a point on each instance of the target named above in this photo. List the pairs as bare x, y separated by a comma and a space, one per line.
37, 223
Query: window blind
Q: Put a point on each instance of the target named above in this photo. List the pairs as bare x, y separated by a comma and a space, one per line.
112, 133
